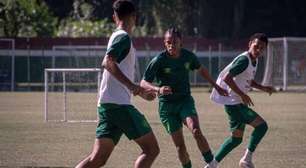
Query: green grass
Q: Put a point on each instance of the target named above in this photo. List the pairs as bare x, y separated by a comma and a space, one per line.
27, 141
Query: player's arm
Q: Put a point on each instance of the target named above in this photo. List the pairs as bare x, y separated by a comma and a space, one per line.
204, 73
149, 85
164, 90
116, 52
196, 65
149, 76
239, 66
228, 79
110, 64
268, 89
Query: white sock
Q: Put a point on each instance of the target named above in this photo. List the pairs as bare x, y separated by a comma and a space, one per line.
247, 155
214, 162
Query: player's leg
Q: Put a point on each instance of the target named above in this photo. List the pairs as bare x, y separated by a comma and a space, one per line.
189, 116
192, 122
229, 144
178, 140
136, 127
237, 129
107, 136
260, 128
101, 151
150, 150
169, 116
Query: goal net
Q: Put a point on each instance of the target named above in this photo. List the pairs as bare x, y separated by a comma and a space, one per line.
286, 63
71, 94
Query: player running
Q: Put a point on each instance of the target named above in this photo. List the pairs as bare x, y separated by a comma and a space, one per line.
176, 106
116, 113
238, 78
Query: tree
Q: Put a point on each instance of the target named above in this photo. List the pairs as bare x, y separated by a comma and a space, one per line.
83, 23
85, 28
26, 18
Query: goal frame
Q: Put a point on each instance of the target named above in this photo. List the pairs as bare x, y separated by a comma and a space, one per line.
63, 70
268, 69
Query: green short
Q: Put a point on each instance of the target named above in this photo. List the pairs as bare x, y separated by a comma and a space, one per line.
239, 115
114, 120
172, 114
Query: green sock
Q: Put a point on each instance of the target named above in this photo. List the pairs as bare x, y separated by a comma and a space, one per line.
208, 156
187, 165
228, 145
257, 135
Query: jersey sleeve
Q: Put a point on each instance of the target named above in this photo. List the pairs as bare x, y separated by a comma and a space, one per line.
195, 63
239, 65
120, 47
151, 70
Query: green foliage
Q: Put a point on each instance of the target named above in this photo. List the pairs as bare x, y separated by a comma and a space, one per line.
85, 28
83, 23
82, 10
205, 18
26, 18
168, 13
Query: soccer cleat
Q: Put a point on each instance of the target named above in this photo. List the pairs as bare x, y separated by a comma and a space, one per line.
243, 163
212, 164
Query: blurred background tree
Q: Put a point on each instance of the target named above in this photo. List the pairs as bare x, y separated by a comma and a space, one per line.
218, 19
28, 18
83, 23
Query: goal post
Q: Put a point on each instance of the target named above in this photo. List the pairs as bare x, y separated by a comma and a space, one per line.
286, 64
71, 94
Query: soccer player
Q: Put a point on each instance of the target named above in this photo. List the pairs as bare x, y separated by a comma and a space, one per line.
238, 78
116, 114
176, 106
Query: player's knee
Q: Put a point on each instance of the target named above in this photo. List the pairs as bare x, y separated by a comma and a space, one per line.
266, 126
155, 151
263, 127
196, 132
181, 148
97, 161
102, 163
235, 141
152, 151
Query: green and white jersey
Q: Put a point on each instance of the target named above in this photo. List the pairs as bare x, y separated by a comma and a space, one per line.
243, 69
173, 72
111, 90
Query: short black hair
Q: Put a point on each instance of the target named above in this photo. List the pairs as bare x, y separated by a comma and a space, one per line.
260, 36
174, 31
123, 8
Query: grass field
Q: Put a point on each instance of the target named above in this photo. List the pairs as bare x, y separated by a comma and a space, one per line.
27, 141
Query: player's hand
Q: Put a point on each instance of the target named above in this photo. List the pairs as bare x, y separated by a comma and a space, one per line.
165, 90
269, 89
136, 89
247, 100
221, 91
147, 94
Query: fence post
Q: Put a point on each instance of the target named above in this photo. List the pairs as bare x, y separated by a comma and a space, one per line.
65, 96
285, 69
13, 67
46, 95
